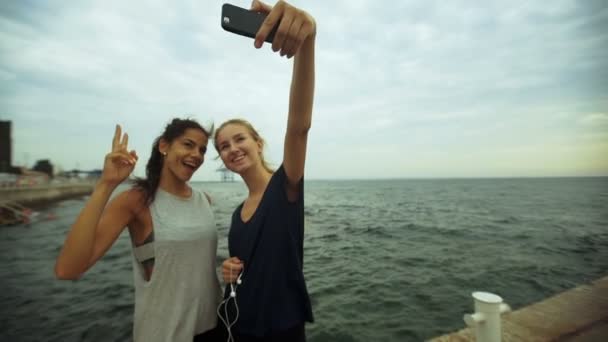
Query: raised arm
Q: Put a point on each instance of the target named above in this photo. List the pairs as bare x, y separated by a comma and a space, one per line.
97, 227
300, 111
295, 36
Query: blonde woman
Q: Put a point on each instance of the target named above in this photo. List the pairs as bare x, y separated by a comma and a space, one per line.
267, 231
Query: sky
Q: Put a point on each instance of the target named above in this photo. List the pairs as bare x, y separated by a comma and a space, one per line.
404, 89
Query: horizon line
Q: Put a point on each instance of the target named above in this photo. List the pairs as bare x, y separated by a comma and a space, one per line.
425, 178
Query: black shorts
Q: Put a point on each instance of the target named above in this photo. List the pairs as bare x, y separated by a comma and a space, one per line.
217, 334
295, 334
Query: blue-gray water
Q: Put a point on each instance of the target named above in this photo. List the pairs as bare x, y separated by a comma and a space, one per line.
392, 260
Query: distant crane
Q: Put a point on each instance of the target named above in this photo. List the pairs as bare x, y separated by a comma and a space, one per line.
226, 175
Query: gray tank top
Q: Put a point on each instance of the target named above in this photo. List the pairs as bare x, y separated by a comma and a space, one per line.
181, 297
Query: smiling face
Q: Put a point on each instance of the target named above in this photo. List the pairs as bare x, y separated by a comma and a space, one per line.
185, 154
238, 147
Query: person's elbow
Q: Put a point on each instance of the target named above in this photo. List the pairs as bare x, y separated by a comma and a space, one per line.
64, 273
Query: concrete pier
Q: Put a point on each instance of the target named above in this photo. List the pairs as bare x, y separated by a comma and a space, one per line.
17, 201
579, 314
45, 193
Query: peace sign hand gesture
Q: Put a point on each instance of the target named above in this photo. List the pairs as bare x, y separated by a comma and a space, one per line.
119, 163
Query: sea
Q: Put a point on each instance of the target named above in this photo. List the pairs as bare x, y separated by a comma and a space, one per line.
384, 260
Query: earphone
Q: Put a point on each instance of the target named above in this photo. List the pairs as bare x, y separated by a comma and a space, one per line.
233, 287
225, 302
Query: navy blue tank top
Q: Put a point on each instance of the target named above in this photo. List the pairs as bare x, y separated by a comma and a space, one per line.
273, 295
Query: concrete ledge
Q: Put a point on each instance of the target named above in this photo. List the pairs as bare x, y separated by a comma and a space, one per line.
579, 314
42, 194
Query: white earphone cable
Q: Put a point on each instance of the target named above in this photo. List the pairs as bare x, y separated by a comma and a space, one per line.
225, 302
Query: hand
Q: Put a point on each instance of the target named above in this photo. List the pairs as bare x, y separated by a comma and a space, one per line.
231, 268
119, 163
294, 28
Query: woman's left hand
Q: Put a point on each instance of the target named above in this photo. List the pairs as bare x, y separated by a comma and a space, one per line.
231, 269
295, 26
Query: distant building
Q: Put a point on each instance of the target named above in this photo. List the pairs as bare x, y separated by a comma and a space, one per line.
94, 174
31, 178
75, 173
6, 146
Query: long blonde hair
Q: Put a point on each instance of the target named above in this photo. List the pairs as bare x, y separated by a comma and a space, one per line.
254, 134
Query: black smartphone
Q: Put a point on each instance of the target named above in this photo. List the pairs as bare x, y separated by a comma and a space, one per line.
244, 22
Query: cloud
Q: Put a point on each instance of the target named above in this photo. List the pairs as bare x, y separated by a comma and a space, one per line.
438, 81
595, 119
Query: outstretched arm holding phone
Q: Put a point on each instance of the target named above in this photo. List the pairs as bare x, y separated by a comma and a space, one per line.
266, 235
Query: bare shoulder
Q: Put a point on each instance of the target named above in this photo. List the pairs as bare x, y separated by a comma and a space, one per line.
132, 199
136, 213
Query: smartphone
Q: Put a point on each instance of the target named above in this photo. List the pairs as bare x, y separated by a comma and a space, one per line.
244, 22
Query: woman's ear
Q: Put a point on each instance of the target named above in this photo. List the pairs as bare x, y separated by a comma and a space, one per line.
163, 146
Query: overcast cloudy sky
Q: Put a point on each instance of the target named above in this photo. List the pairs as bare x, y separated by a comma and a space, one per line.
404, 88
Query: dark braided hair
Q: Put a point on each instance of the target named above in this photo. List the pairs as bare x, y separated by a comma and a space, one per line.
173, 130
